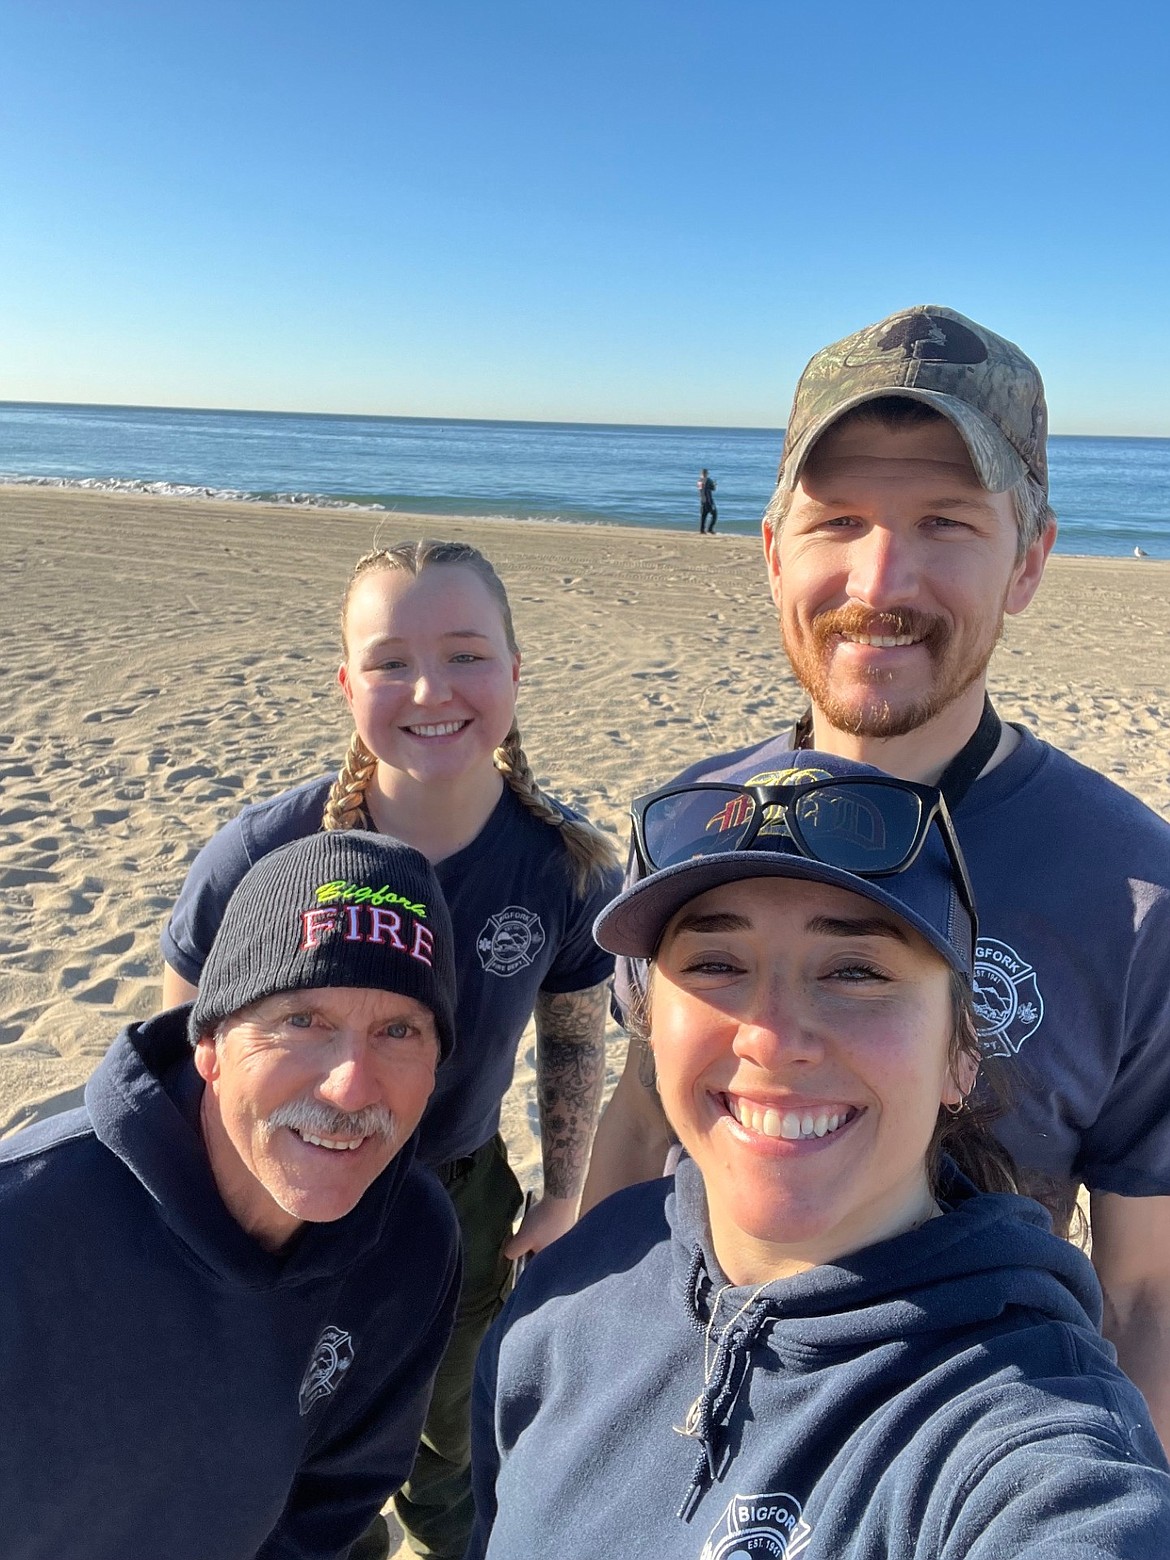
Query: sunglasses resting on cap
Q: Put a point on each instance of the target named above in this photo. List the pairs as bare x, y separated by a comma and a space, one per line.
825, 819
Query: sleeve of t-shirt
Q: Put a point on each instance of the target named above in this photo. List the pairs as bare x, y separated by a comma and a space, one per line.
1127, 1149
219, 866
579, 962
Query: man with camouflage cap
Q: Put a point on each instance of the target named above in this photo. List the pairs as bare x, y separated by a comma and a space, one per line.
227, 1286
910, 515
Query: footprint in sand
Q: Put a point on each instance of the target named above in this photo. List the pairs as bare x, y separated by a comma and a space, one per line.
112, 712
46, 846
38, 1110
106, 817
70, 902
22, 877
113, 945
34, 961
178, 777
20, 815
103, 993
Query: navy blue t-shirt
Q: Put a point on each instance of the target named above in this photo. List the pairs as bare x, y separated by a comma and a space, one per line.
520, 928
1072, 970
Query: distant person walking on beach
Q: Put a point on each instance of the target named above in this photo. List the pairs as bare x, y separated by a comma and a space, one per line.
707, 510
910, 514
430, 673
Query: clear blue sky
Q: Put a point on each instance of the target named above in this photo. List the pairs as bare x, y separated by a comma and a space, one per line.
646, 211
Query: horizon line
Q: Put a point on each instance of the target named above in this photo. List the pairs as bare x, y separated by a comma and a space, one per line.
535, 422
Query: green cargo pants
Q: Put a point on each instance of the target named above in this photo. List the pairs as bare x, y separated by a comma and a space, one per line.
434, 1506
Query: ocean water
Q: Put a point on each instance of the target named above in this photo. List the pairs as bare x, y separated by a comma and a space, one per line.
1111, 495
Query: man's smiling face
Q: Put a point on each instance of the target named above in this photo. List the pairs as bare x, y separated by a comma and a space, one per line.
892, 572
309, 1095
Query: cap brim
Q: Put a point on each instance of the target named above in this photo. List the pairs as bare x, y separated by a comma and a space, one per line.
997, 465
632, 924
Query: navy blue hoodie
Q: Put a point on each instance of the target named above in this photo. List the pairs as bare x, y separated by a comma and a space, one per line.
170, 1389
944, 1395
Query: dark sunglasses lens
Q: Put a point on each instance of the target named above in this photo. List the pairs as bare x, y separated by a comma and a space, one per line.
695, 823
858, 828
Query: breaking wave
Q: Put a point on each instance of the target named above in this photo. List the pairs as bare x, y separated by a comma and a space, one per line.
186, 490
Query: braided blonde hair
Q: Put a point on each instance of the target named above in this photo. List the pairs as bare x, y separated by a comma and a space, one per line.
345, 806
590, 853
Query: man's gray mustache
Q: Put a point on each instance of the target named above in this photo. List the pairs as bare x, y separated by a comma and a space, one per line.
325, 1121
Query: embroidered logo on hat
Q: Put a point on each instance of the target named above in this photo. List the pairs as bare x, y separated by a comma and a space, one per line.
368, 924
931, 339
358, 894
335, 908
774, 816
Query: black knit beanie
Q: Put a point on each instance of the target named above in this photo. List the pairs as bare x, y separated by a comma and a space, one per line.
337, 908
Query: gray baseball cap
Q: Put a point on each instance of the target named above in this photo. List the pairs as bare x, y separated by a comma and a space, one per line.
990, 390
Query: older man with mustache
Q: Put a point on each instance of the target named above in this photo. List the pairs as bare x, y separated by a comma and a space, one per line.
226, 1285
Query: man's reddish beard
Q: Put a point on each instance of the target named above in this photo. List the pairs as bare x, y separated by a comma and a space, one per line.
811, 657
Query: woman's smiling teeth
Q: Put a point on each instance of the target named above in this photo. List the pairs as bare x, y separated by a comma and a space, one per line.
790, 1124
448, 728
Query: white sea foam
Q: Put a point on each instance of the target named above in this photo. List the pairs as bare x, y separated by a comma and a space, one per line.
185, 490
303, 500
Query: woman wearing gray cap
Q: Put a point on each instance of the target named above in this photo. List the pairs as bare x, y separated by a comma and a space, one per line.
837, 1331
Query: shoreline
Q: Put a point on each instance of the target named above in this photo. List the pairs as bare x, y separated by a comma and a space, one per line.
134, 488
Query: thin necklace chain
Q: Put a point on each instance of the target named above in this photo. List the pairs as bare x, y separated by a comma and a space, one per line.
690, 1425
711, 1355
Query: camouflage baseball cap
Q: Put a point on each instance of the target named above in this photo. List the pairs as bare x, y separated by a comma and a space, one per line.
979, 381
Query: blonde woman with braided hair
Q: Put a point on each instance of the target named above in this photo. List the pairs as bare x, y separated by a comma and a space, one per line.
589, 851
431, 671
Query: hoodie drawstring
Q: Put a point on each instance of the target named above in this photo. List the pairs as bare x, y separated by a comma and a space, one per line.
726, 1362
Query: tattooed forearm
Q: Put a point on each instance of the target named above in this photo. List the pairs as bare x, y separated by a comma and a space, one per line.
570, 1072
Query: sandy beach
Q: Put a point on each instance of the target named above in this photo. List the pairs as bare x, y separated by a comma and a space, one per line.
166, 661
